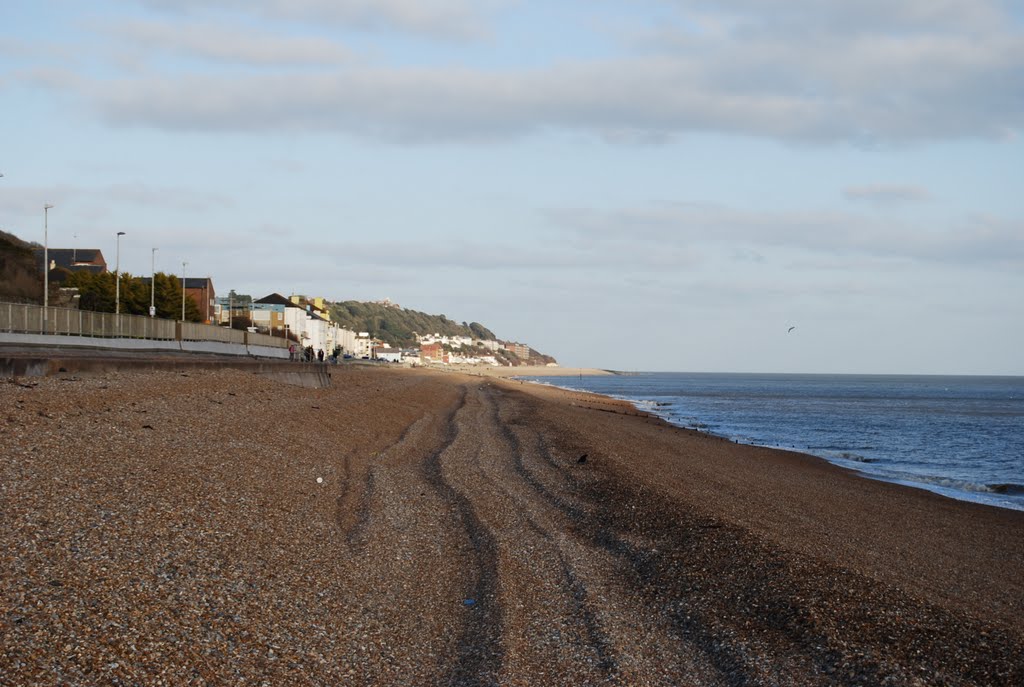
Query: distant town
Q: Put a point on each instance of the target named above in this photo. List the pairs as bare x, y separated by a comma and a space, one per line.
80, 278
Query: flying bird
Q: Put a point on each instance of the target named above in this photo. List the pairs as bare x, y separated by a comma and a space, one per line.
791, 329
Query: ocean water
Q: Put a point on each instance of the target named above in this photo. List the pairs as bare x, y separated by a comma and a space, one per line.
962, 437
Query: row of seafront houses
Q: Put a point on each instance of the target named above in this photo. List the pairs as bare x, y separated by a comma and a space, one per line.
309, 320
305, 320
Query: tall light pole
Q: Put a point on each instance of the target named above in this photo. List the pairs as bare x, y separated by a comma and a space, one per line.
117, 276
46, 261
183, 265
152, 286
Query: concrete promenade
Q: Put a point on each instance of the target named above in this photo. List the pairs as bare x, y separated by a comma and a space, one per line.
34, 361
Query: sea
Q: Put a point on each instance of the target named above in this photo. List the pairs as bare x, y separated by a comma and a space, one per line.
962, 437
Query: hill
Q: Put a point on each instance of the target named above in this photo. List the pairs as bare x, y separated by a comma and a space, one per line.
399, 326
20, 279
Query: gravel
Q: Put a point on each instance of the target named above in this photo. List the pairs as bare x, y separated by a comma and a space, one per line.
418, 528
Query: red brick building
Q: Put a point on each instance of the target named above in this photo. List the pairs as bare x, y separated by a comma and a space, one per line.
432, 351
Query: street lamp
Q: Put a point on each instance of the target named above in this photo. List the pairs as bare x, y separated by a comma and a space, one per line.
46, 261
117, 277
152, 286
183, 265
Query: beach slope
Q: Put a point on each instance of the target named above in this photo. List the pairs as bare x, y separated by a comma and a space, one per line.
414, 527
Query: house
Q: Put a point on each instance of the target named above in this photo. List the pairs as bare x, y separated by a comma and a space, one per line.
71, 260
232, 306
268, 318
387, 354
317, 305
431, 352
364, 345
306, 320
200, 290
291, 318
522, 351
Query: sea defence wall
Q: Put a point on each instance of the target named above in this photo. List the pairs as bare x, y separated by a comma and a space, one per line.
65, 341
37, 342
309, 375
30, 325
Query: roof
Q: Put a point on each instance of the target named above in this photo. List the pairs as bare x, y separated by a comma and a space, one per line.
74, 258
198, 282
190, 282
278, 299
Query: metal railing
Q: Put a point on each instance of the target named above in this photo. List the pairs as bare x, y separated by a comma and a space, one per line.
23, 318
256, 339
194, 331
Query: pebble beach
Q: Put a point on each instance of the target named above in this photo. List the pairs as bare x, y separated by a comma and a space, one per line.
410, 527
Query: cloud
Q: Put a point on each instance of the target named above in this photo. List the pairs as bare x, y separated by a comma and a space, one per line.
798, 16
881, 91
871, 73
441, 18
887, 194
177, 199
227, 44
452, 253
96, 203
970, 240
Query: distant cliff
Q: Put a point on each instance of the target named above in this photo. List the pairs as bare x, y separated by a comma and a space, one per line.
399, 326
20, 278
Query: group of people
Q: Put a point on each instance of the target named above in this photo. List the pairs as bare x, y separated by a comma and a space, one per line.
309, 355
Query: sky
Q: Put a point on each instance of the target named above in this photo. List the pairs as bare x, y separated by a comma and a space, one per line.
634, 185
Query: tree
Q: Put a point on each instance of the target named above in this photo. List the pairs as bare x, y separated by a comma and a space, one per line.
98, 293
96, 290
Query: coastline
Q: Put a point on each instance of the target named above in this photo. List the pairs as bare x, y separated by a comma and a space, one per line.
996, 490
469, 529
786, 494
527, 371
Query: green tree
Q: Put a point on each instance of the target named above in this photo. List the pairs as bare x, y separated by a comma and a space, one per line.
98, 293
96, 290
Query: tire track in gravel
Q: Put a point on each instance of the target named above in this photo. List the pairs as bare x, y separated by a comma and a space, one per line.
569, 579
639, 567
480, 653
712, 630
353, 509
614, 624
611, 533
759, 616
576, 587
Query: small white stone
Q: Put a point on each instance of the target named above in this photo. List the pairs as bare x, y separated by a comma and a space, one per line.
319, 480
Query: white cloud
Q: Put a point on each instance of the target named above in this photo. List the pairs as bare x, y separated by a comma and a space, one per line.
228, 44
868, 73
941, 90
980, 239
445, 18
453, 253
797, 16
887, 194
97, 203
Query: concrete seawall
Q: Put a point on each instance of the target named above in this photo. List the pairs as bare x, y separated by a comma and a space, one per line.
309, 375
156, 346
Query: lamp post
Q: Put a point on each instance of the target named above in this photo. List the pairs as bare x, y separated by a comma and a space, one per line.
117, 279
152, 285
46, 262
183, 266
